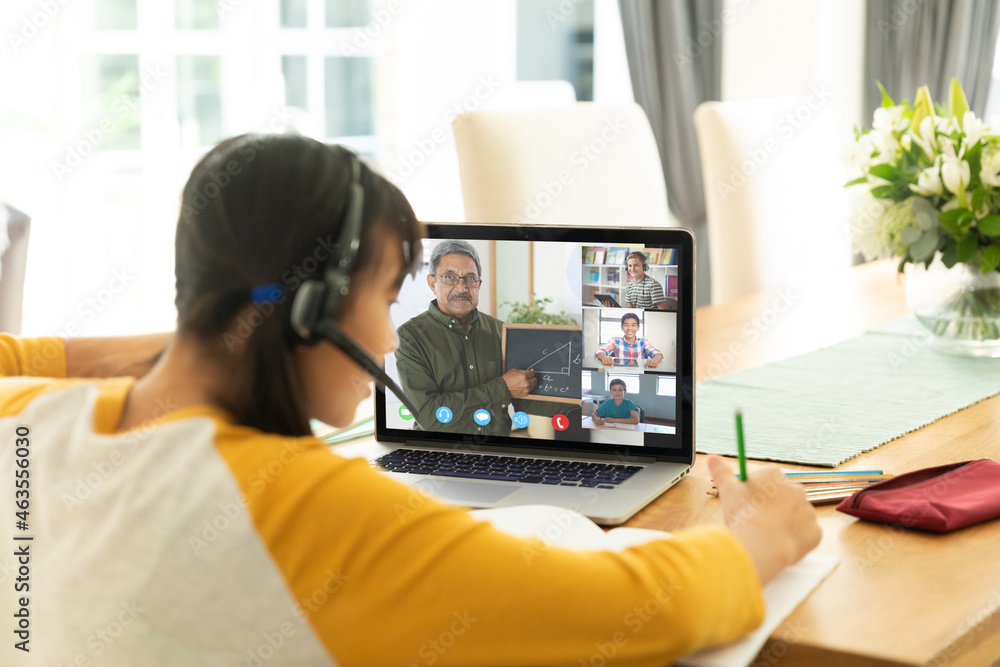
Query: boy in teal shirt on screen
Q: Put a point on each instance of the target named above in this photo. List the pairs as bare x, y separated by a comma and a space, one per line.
618, 411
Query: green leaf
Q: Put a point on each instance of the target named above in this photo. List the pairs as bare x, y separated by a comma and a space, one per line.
924, 217
922, 107
886, 100
951, 215
957, 104
975, 164
990, 258
990, 225
886, 171
924, 247
978, 194
911, 234
967, 248
522, 313
895, 192
857, 181
956, 221
949, 255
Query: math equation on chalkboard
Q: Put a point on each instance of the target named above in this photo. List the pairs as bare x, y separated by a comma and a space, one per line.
553, 351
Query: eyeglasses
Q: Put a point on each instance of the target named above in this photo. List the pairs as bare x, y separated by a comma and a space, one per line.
451, 279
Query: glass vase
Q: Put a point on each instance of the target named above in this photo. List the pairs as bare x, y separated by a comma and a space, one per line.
960, 307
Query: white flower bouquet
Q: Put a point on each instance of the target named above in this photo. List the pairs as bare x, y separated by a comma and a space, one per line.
934, 176
931, 189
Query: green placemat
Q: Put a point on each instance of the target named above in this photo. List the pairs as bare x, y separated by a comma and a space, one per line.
830, 405
362, 429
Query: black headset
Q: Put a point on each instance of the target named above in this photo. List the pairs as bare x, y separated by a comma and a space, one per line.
317, 302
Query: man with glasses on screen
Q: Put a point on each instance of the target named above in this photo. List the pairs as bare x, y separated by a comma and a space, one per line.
450, 355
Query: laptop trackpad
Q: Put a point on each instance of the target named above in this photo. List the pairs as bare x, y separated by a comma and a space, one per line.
466, 493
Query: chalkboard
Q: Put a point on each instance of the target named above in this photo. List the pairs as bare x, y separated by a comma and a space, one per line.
553, 351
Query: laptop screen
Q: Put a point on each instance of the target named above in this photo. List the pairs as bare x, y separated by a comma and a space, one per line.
567, 338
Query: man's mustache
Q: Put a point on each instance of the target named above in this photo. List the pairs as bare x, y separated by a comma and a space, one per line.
459, 297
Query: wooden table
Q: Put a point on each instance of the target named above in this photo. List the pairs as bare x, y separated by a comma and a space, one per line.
898, 597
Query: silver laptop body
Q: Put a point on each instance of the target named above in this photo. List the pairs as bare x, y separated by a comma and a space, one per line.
655, 454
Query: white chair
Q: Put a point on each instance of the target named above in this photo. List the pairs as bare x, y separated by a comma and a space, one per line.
583, 164
13, 261
774, 196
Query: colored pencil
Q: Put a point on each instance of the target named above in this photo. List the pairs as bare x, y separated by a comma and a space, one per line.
739, 445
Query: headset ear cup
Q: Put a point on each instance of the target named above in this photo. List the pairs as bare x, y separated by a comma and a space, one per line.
307, 308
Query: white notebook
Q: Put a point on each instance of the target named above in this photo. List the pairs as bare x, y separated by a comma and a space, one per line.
565, 528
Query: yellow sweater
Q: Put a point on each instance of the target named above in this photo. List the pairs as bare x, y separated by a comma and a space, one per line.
194, 540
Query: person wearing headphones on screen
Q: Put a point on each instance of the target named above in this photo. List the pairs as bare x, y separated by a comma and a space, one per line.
189, 508
642, 291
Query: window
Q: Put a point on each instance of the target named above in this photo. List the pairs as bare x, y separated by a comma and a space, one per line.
199, 100
329, 68
585, 381
197, 14
666, 385
611, 326
631, 383
122, 97
115, 15
556, 42
150, 86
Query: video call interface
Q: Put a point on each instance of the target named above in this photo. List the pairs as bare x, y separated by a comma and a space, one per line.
601, 346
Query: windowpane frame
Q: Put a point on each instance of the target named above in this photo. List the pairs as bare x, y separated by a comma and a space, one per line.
138, 160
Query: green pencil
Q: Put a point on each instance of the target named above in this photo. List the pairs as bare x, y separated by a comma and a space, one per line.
739, 445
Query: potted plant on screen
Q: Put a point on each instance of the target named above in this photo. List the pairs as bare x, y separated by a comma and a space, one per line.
930, 196
535, 313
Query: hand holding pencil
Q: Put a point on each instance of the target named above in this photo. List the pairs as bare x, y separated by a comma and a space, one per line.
768, 514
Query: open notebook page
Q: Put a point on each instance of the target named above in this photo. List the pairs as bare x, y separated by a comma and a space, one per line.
558, 526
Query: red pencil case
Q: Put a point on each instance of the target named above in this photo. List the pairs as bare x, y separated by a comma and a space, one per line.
939, 499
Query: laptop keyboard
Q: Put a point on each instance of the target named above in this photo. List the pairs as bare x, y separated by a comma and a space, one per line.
507, 468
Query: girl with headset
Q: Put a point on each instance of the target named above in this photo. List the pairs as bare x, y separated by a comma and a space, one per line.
183, 514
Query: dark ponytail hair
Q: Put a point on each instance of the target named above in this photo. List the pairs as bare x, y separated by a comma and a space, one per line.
265, 209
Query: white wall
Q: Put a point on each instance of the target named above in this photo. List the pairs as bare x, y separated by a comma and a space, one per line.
775, 48
557, 272
612, 83
446, 62
660, 329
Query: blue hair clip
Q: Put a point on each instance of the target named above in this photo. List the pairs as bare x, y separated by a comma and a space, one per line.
266, 293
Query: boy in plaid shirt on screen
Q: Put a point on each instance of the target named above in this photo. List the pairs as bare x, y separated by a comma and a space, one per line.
629, 347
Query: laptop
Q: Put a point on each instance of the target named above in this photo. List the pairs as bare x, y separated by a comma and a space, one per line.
498, 452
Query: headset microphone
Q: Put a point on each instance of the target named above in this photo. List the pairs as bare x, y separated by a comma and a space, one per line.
317, 301
336, 335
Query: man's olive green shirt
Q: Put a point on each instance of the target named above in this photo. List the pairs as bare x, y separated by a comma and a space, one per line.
442, 365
